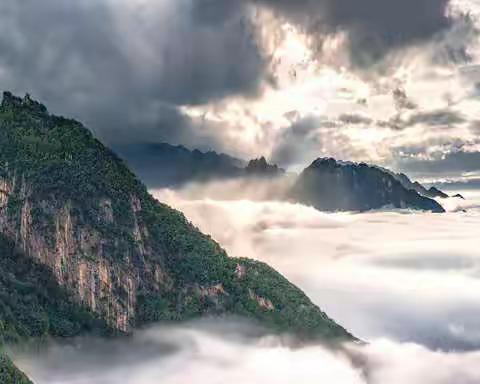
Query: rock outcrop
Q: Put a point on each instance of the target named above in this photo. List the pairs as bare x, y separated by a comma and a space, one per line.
261, 168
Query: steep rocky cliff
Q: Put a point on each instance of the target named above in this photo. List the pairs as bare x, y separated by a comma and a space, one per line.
33, 307
71, 205
332, 185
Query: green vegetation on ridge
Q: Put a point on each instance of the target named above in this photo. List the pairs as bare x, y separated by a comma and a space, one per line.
9, 374
63, 163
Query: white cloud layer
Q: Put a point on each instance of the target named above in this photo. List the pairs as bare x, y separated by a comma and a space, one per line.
212, 353
407, 283
411, 277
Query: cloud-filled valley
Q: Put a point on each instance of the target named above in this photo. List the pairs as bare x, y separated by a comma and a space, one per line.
406, 283
229, 351
407, 276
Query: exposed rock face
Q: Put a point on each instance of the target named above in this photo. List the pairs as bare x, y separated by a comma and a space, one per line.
78, 253
71, 204
335, 186
261, 168
262, 302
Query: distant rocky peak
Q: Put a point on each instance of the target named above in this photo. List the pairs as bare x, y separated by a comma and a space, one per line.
330, 162
324, 162
331, 185
260, 167
435, 192
260, 163
11, 101
432, 193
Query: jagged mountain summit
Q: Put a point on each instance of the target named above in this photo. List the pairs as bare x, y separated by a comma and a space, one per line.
165, 165
331, 185
261, 168
367, 188
117, 258
172, 166
432, 192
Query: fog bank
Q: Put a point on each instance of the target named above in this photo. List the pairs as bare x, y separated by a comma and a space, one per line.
408, 276
406, 282
227, 352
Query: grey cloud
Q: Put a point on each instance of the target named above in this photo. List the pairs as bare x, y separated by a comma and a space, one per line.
444, 117
453, 47
354, 119
113, 65
373, 26
470, 74
475, 127
212, 355
445, 143
299, 139
311, 137
453, 163
434, 262
401, 100
468, 184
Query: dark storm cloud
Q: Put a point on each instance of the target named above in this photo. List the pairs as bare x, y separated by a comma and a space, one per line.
311, 137
441, 117
402, 101
456, 185
475, 127
453, 163
124, 69
373, 26
295, 141
354, 119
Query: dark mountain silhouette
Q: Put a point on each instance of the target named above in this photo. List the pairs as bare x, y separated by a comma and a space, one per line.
261, 168
432, 192
330, 185
165, 165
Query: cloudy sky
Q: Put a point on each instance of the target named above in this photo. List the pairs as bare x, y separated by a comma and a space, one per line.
384, 81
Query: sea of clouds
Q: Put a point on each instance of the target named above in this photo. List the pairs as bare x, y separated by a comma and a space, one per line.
407, 283
227, 352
